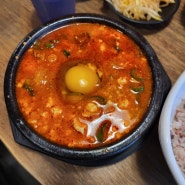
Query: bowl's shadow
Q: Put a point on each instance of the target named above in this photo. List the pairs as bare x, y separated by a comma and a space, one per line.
148, 167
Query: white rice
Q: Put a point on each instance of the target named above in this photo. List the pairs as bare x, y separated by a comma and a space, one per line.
178, 135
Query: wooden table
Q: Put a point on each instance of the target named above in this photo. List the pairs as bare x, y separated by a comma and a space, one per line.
147, 165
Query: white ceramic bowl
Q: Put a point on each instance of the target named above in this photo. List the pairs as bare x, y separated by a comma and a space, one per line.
172, 101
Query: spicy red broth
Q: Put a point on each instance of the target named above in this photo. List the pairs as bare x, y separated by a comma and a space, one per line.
84, 85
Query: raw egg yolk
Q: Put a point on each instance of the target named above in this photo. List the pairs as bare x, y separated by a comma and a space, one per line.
81, 79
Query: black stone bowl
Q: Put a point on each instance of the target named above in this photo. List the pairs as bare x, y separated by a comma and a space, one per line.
98, 156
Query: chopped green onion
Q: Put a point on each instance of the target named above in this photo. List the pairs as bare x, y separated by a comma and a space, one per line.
100, 99
117, 48
135, 75
36, 45
138, 89
66, 53
102, 132
49, 45
29, 89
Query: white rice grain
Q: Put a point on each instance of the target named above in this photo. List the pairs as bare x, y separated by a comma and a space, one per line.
178, 135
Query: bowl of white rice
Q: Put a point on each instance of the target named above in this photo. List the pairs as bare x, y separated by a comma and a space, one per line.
172, 130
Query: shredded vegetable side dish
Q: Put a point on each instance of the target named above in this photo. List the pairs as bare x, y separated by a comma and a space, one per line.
141, 9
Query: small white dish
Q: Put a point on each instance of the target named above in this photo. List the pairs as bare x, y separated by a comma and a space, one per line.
172, 101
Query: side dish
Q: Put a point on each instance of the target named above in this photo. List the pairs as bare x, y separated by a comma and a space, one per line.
141, 9
84, 85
